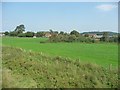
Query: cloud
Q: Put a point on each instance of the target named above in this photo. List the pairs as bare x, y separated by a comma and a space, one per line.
106, 7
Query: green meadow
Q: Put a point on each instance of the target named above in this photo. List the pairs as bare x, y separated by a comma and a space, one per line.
102, 54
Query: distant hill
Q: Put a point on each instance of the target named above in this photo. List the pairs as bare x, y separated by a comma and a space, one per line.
100, 33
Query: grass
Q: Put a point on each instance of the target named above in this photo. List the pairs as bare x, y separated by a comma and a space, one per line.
102, 54
27, 69
0, 63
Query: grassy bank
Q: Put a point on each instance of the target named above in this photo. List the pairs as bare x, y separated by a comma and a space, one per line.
23, 68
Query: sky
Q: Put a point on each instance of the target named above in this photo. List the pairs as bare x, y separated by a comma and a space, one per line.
60, 16
59, 0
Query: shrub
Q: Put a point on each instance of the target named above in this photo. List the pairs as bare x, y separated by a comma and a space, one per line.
13, 33
29, 34
22, 35
30, 69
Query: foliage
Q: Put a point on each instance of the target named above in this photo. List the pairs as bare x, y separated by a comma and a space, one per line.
105, 37
40, 34
19, 29
22, 35
73, 36
74, 32
6, 33
30, 69
61, 32
70, 38
29, 34
13, 33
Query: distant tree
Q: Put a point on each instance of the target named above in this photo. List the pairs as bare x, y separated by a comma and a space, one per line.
51, 31
19, 29
105, 37
89, 40
6, 33
40, 34
56, 32
115, 39
74, 32
22, 35
61, 38
29, 34
53, 36
66, 34
81, 39
72, 38
61, 32
86, 35
13, 33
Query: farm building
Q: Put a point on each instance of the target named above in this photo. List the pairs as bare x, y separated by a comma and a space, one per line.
47, 34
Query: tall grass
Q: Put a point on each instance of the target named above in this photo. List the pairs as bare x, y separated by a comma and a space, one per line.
32, 69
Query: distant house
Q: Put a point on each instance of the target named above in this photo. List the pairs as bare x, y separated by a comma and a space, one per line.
47, 34
98, 36
93, 35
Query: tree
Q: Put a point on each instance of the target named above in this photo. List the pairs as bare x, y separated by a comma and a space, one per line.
22, 35
61, 32
86, 35
75, 33
71, 38
6, 33
56, 32
51, 31
40, 34
29, 34
13, 33
53, 38
81, 39
19, 29
105, 37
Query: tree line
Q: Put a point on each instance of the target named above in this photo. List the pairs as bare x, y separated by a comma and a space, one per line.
73, 36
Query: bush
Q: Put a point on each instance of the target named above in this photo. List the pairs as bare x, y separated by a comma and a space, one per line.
6, 33
72, 38
31, 69
29, 34
40, 34
88, 40
81, 39
13, 33
22, 35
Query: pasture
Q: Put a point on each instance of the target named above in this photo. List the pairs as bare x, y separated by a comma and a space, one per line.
102, 54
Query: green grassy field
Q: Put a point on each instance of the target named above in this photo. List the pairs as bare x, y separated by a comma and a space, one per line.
103, 54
